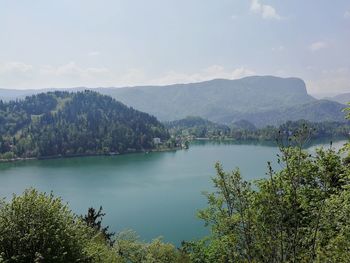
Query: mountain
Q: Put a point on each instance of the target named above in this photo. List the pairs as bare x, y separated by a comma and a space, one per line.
63, 123
341, 98
316, 111
215, 99
243, 125
261, 100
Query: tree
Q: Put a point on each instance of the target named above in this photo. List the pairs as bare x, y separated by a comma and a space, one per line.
297, 214
94, 220
37, 227
131, 249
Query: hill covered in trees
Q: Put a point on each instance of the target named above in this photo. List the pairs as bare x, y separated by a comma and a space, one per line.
316, 111
197, 127
63, 124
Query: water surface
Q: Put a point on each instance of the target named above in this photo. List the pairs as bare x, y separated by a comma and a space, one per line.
155, 194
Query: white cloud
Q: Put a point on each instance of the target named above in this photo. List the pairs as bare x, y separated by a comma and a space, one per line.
23, 76
12, 73
266, 11
347, 14
72, 71
15, 67
316, 46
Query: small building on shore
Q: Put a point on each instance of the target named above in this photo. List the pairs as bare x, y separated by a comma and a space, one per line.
157, 141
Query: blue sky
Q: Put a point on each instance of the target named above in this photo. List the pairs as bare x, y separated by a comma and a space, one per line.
66, 43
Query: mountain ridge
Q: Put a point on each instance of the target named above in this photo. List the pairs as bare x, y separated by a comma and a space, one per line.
223, 100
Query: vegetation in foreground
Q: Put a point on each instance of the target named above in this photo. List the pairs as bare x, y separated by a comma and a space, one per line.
298, 214
38, 227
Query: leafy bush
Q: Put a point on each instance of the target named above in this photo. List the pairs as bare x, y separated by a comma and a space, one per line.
37, 227
131, 249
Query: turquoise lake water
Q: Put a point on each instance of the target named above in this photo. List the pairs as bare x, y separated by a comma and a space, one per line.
155, 194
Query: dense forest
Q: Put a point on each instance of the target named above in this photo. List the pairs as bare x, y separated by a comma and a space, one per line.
196, 127
64, 124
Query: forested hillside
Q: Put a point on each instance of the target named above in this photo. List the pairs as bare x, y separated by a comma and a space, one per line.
316, 111
196, 127
215, 99
63, 123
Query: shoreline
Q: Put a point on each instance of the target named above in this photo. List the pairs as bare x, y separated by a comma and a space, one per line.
22, 159
339, 138
199, 139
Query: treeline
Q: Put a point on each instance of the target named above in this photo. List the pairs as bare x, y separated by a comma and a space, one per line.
196, 127
63, 124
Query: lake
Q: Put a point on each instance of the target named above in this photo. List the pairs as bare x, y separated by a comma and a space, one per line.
155, 194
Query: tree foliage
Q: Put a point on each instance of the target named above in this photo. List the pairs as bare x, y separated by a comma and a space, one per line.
37, 227
93, 219
131, 249
244, 130
299, 213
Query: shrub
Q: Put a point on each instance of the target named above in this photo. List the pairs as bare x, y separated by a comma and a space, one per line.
37, 227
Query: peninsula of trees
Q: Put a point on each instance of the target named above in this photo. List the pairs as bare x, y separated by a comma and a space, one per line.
66, 124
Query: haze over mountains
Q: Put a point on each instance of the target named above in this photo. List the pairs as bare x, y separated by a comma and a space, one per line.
343, 98
262, 100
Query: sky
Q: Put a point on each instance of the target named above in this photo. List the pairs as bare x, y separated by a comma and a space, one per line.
105, 43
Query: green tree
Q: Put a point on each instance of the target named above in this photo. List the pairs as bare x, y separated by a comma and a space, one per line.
37, 227
93, 219
131, 249
299, 213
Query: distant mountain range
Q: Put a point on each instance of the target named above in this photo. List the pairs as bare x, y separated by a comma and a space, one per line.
261, 100
341, 98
